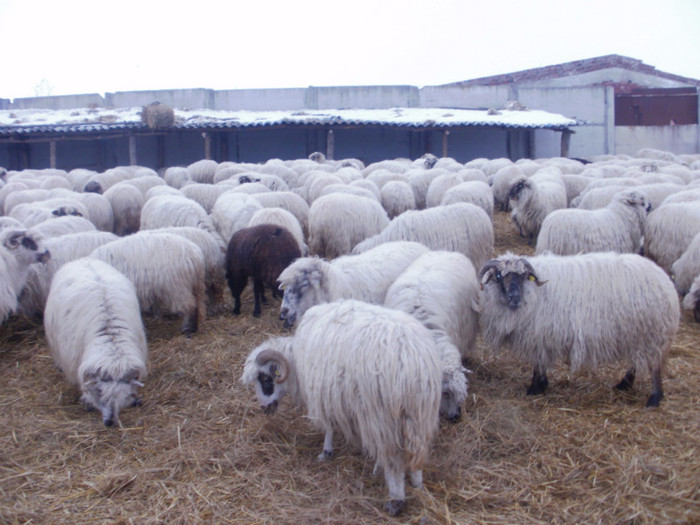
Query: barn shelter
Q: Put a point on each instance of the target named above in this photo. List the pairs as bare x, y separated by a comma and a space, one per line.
100, 137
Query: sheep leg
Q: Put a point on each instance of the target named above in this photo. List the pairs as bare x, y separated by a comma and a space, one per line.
258, 292
539, 383
327, 452
657, 391
395, 482
417, 479
627, 381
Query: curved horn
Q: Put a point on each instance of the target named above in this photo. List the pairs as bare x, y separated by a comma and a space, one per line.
275, 356
487, 267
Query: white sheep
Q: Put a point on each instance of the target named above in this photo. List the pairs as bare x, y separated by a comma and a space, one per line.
368, 371
460, 227
63, 249
439, 185
289, 201
177, 177
19, 248
204, 194
669, 231
167, 270
283, 218
100, 211
62, 226
583, 309
501, 182
691, 301
473, 191
441, 291
618, 227
532, 198
172, 210
202, 170
232, 211
686, 267
127, 202
338, 222
397, 197
96, 336
309, 281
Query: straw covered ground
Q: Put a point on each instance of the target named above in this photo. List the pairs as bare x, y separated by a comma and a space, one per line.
200, 451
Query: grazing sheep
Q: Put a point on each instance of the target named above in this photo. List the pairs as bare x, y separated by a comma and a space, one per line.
63, 249
367, 277
501, 182
232, 211
460, 227
96, 336
687, 266
204, 194
100, 211
532, 198
289, 201
583, 309
439, 185
203, 171
127, 202
397, 197
166, 269
618, 227
177, 177
669, 231
382, 393
440, 290
19, 248
691, 301
473, 191
337, 222
261, 252
100, 182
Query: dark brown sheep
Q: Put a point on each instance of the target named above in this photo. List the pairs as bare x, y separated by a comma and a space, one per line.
260, 252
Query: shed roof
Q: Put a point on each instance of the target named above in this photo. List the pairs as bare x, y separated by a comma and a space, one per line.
15, 123
575, 67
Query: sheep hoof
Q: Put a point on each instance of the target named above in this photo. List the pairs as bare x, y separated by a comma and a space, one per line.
394, 507
325, 455
654, 399
538, 386
626, 383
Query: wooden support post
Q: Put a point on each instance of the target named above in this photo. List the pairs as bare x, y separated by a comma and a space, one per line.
52, 154
445, 134
132, 150
207, 145
160, 142
565, 142
330, 144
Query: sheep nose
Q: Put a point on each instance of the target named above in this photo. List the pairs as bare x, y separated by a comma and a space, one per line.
108, 422
513, 295
456, 416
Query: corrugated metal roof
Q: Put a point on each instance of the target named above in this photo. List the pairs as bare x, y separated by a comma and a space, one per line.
106, 120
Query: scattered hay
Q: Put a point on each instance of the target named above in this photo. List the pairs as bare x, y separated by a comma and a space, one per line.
200, 451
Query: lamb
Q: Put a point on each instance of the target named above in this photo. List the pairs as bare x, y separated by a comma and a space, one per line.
381, 392
96, 336
339, 222
691, 301
167, 270
441, 291
669, 231
63, 249
460, 227
473, 191
584, 309
127, 202
686, 267
532, 198
367, 277
261, 252
19, 248
618, 227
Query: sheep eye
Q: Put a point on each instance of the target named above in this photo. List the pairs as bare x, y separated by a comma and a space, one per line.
499, 277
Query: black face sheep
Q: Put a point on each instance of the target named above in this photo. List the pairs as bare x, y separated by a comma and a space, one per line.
260, 252
584, 309
94, 330
371, 372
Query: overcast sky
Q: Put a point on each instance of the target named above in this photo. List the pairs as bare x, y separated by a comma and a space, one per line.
64, 47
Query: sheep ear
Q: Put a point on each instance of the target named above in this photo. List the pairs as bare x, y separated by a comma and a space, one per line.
532, 277
13, 240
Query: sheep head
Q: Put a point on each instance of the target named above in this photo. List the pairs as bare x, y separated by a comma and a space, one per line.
109, 395
304, 286
635, 199
25, 247
268, 369
517, 187
510, 274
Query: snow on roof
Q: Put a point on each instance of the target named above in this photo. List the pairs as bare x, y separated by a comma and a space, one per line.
104, 119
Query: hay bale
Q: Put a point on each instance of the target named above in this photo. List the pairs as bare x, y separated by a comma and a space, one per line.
158, 116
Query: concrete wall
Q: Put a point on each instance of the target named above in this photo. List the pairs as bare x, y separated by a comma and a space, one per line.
260, 99
676, 139
58, 102
473, 97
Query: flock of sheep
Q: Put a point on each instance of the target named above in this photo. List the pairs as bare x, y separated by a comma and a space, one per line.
387, 274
